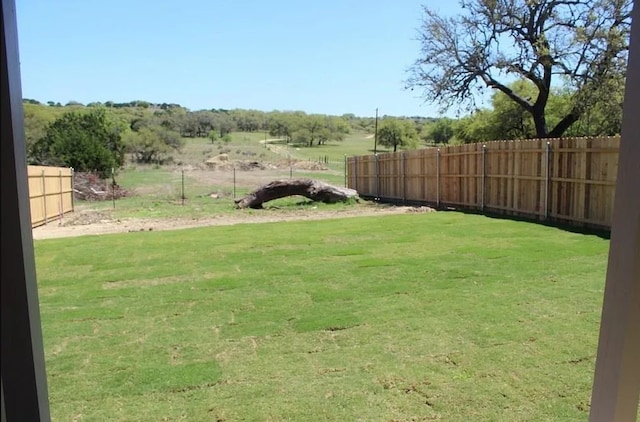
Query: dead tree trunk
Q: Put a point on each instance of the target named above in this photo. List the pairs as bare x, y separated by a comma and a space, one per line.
312, 189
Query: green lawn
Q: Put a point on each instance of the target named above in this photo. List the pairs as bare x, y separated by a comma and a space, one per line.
397, 318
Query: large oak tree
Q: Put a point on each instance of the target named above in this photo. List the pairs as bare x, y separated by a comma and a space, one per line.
579, 44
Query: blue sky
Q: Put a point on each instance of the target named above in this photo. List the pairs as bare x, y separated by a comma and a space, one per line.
329, 56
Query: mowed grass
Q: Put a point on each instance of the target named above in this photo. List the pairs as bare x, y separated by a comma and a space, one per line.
397, 318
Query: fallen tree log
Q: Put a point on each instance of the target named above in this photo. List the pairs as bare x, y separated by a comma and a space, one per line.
312, 189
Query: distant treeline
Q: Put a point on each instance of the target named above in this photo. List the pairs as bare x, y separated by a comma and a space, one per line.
503, 120
151, 132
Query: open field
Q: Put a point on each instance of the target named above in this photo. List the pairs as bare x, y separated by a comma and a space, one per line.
244, 145
397, 318
160, 198
356, 143
158, 191
251, 145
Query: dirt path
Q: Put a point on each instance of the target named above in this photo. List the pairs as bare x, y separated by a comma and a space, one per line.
278, 149
91, 222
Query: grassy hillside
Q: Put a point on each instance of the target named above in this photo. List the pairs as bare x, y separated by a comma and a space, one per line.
251, 145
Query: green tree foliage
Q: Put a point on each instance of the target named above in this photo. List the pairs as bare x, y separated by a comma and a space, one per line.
395, 133
307, 130
193, 124
213, 136
474, 128
604, 118
249, 120
366, 124
338, 128
84, 141
36, 120
441, 131
582, 44
152, 144
224, 124
145, 146
151, 138
510, 121
506, 120
281, 125
318, 129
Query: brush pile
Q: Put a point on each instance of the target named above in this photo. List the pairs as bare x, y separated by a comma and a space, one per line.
90, 187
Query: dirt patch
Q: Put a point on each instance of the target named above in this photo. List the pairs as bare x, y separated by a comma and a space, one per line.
85, 218
304, 165
216, 164
92, 222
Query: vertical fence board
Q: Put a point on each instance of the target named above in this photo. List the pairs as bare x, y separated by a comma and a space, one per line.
430, 157
413, 175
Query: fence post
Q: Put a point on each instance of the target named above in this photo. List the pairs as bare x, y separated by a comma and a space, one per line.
547, 183
377, 179
484, 176
182, 187
234, 183
113, 187
44, 197
438, 178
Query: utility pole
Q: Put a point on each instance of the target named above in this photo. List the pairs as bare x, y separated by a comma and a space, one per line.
375, 136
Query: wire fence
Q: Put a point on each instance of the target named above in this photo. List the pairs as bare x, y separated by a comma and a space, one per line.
188, 185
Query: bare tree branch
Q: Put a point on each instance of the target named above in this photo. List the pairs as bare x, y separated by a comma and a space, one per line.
584, 43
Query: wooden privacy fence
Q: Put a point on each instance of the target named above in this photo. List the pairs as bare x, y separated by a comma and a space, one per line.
568, 180
50, 193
